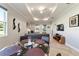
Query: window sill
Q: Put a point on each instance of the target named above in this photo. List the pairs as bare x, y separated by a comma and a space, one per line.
1, 36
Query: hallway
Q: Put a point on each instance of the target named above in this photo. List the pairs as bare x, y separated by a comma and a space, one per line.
32, 26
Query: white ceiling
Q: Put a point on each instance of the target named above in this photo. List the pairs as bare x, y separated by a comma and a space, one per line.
40, 10
23, 9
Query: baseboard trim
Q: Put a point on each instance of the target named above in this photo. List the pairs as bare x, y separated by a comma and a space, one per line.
72, 47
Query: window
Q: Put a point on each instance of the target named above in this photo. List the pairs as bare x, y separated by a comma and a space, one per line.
3, 21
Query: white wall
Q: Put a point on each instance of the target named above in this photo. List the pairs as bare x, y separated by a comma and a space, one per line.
71, 33
40, 27
13, 35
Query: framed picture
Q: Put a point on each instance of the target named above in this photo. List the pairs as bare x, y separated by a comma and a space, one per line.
60, 27
74, 21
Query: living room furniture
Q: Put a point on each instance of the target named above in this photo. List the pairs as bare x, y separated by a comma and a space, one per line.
40, 41
59, 38
62, 40
34, 52
10, 50
33, 37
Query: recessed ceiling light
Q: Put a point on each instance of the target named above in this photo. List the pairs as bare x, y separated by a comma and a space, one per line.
41, 8
50, 9
45, 19
41, 12
36, 19
32, 8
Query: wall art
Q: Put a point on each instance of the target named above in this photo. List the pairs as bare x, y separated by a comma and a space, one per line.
74, 21
14, 26
60, 27
18, 27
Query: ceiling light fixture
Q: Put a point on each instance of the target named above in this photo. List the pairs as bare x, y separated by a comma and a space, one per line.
41, 8
32, 8
41, 12
50, 9
45, 19
36, 19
